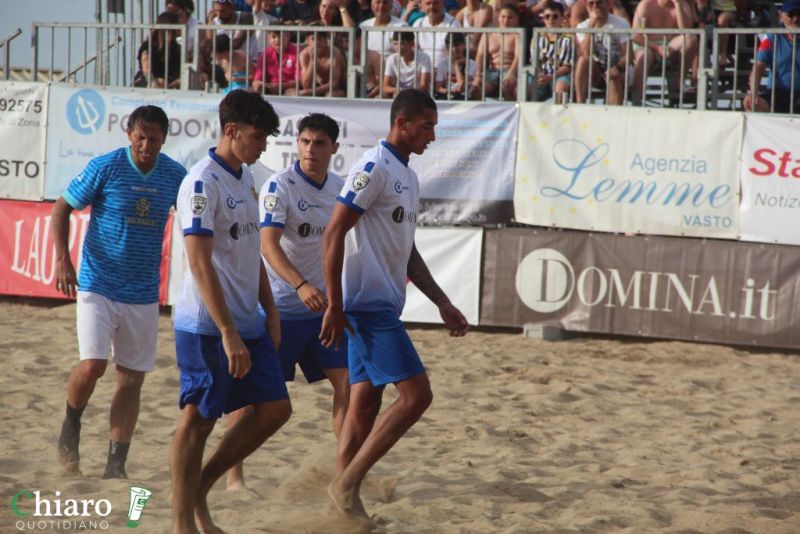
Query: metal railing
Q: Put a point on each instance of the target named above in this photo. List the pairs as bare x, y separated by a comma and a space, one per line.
106, 54
5, 45
734, 81
634, 50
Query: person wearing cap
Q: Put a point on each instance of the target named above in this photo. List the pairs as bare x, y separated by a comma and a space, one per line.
780, 54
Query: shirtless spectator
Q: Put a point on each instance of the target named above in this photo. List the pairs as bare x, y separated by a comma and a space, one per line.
498, 57
678, 51
371, 71
720, 14
436, 18
277, 67
475, 14
601, 57
322, 67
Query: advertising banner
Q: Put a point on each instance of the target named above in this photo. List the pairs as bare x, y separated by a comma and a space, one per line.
466, 175
86, 122
770, 175
453, 256
27, 253
630, 170
692, 289
23, 110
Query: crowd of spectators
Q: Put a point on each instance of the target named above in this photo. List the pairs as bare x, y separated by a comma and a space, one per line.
456, 65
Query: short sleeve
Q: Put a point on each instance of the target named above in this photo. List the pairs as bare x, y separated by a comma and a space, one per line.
273, 203
424, 62
391, 66
83, 189
196, 207
764, 54
363, 185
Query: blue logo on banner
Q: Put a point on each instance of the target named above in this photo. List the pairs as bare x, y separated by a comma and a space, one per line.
86, 110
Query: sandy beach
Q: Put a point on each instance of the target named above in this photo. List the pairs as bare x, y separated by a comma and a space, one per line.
524, 435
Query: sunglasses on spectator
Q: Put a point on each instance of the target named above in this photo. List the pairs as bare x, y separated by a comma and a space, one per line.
552, 16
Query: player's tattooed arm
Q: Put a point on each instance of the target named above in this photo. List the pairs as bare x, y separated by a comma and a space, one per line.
421, 277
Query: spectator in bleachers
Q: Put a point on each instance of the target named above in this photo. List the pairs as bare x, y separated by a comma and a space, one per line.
535, 8
372, 73
377, 41
223, 13
498, 57
475, 14
163, 54
359, 11
140, 79
603, 52
555, 56
678, 51
453, 74
407, 68
435, 18
277, 66
411, 12
298, 12
780, 54
330, 14
579, 11
232, 62
264, 14
184, 9
720, 14
323, 75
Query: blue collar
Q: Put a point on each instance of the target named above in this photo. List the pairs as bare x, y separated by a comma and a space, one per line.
395, 153
144, 175
307, 178
212, 153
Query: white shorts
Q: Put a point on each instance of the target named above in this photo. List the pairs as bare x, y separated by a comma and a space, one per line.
131, 330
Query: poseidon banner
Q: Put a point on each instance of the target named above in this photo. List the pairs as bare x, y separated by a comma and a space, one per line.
681, 288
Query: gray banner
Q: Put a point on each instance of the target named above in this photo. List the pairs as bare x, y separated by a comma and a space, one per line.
682, 288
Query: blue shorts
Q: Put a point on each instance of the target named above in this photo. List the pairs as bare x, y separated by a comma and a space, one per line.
206, 382
300, 345
380, 350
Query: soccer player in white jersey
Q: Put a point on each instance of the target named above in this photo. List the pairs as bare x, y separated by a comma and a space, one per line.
371, 236
225, 350
130, 191
295, 205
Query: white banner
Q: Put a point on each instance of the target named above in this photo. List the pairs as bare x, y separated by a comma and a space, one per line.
23, 109
453, 256
770, 176
621, 169
86, 122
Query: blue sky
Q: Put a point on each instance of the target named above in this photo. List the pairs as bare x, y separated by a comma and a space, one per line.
20, 14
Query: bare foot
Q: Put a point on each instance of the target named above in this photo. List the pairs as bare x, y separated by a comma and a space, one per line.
203, 516
347, 502
239, 485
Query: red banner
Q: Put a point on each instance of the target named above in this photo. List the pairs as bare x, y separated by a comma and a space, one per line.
27, 253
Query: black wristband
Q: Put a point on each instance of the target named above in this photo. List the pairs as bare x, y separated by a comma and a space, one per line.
304, 282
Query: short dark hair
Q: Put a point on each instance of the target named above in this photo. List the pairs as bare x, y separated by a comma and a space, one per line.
248, 108
222, 43
188, 5
319, 122
454, 39
410, 103
554, 6
509, 6
148, 115
403, 37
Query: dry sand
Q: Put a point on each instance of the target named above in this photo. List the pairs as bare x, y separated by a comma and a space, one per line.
524, 435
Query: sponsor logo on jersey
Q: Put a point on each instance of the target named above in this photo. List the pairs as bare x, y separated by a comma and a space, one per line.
142, 207
306, 230
238, 230
400, 215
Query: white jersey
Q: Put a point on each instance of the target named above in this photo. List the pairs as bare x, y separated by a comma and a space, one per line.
433, 43
385, 191
214, 200
302, 208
